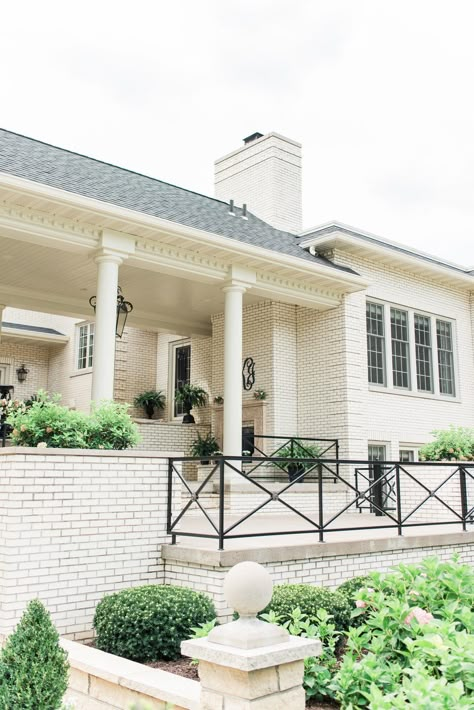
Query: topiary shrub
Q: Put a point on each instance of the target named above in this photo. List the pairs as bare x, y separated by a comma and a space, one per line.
149, 623
33, 666
288, 597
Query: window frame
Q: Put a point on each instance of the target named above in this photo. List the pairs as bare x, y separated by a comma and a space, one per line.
173, 347
413, 391
90, 325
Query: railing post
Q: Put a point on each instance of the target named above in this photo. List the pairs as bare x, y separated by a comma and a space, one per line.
399, 500
170, 502
320, 503
221, 503
337, 459
292, 449
377, 489
464, 507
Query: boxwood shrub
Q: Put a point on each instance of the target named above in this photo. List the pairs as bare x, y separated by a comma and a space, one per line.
287, 597
351, 586
149, 623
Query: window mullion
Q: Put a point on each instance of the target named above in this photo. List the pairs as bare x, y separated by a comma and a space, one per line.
412, 351
434, 356
388, 347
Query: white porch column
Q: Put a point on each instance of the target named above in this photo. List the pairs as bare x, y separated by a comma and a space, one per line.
105, 320
2, 308
233, 369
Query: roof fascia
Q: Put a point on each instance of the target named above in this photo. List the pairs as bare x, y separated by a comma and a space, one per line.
337, 238
132, 217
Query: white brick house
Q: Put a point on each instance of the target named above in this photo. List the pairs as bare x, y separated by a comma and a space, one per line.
215, 281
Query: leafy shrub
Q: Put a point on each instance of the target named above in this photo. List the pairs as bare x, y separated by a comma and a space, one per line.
47, 423
453, 444
33, 666
417, 628
111, 427
351, 586
149, 623
288, 597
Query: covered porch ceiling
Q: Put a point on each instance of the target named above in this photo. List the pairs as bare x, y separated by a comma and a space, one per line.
173, 274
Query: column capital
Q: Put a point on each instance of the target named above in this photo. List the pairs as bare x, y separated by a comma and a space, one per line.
109, 256
239, 279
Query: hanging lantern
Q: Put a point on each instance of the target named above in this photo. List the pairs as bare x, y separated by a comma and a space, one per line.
22, 373
123, 309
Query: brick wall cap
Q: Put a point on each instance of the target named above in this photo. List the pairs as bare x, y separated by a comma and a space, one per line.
153, 682
116, 453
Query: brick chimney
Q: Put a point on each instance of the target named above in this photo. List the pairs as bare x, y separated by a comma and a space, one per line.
265, 174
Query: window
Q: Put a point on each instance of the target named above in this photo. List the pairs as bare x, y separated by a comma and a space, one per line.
85, 346
377, 452
181, 372
4, 374
400, 348
406, 455
376, 343
420, 362
445, 357
424, 363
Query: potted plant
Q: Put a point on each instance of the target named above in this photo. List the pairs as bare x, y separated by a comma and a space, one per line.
260, 394
150, 401
205, 447
190, 396
299, 450
218, 399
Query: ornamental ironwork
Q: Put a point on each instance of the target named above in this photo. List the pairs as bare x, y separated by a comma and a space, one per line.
248, 373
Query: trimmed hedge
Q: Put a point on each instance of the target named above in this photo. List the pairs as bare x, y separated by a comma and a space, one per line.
287, 597
351, 586
149, 623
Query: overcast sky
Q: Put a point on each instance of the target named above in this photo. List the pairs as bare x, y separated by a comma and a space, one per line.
380, 93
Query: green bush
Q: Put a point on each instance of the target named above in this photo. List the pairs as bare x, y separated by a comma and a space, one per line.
33, 666
111, 427
351, 586
47, 423
453, 444
149, 623
288, 597
417, 628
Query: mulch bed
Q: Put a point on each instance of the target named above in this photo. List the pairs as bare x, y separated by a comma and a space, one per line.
182, 666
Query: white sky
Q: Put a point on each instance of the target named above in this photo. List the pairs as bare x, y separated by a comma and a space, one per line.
380, 93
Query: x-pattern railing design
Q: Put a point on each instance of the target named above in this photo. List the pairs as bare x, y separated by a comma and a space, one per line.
226, 468
298, 448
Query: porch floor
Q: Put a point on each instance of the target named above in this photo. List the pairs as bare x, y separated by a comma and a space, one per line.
260, 529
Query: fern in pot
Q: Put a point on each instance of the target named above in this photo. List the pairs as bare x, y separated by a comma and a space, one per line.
295, 451
150, 400
205, 447
191, 397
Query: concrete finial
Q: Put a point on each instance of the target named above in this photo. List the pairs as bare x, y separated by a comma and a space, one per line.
248, 588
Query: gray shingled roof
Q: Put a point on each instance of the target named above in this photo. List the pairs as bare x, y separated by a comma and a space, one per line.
75, 173
31, 328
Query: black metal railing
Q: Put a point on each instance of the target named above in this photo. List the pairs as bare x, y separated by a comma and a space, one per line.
441, 494
265, 450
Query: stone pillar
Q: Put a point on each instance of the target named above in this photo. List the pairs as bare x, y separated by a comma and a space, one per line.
232, 443
105, 321
249, 664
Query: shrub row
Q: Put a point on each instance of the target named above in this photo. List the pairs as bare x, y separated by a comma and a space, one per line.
47, 423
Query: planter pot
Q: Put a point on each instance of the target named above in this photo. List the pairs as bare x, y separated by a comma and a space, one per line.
188, 418
294, 471
149, 410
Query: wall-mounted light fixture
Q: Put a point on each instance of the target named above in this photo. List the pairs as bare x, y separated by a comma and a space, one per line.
123, 309
22, 373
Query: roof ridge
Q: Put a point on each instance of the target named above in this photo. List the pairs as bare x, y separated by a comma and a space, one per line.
118, 167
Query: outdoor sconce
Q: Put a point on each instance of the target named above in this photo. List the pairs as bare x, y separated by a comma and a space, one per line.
22, 373
123, 309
